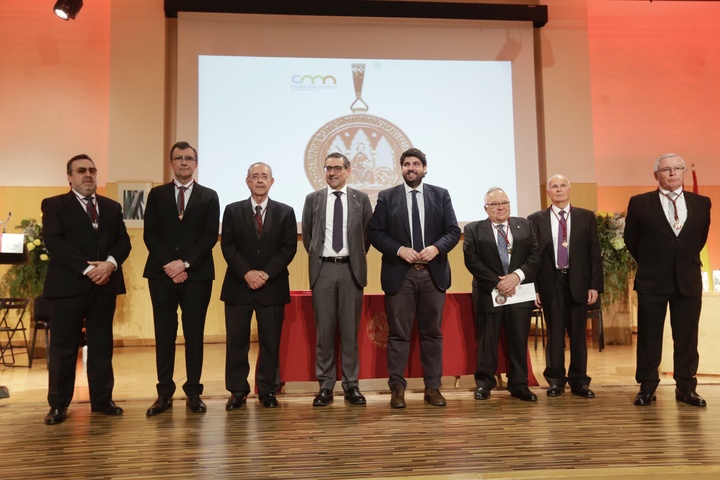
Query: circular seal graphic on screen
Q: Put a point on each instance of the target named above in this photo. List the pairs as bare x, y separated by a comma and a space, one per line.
500, 299
372, 144
378, 330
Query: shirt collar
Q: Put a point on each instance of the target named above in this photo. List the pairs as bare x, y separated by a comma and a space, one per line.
343, 190
408, 189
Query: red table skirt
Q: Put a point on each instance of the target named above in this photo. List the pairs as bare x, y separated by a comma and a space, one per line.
297, 346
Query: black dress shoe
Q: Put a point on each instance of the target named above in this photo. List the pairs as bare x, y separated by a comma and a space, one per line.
555, 391
583, 391
324, 398
354, 397
482, 393
236, 400
195, 404
525, 395
644, 398
269, 401
397, 396
57, 414
160, 405
108, 408
690, 397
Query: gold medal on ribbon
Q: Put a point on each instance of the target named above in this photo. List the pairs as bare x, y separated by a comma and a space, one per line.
565, 244
372, 144
677, 225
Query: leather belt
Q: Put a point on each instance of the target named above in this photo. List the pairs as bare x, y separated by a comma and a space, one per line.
419, 266
335, 259
564, 271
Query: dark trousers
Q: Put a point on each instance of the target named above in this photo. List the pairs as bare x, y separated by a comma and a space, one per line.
237, 346
337, 303
684, 320
193, 299
562, 315
68, 315
418, 298
516, 321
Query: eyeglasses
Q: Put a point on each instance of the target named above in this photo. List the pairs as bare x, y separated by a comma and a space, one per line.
497, 204
335, 168
180, 158
667, 170
84, 170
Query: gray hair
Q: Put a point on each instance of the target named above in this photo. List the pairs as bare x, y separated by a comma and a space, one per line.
667, 155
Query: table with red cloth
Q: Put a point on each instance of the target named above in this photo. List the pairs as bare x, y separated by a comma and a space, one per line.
297, 345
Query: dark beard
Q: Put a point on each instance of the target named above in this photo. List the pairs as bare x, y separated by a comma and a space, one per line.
415, 183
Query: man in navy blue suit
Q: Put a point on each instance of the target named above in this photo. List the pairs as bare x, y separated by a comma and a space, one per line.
414, 227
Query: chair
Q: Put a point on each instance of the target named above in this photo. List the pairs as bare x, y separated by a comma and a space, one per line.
538, 315
12, 311
41, 321
595, 314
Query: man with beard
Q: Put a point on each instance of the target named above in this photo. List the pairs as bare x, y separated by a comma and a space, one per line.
259, 240
501, 253
87, 241
335, 234
414, 227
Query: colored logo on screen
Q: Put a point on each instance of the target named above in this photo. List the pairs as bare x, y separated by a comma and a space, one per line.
313, 82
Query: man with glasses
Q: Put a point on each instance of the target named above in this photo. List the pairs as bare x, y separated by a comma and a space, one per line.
181, 228
335, 234
568, 281
87, 241
501, 252
665, 230
414, 227
259, 240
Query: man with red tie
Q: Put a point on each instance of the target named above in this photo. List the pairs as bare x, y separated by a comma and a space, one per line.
665, 230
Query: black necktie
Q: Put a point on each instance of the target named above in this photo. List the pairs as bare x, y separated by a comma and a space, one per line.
417, 235
258, 219
181, 201
337, 241
91, 211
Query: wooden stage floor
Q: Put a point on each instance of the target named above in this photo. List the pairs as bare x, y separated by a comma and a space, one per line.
501, 438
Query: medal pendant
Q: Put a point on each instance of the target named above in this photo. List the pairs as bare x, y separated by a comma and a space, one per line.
677, 226
372, 144
180, 216
565, 244
500, 299
509, 250
95, 225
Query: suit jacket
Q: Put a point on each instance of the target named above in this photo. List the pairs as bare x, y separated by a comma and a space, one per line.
390, 230
313, 232
586, 272
483, 260
667, 262
271, 252
191, 239
72, 241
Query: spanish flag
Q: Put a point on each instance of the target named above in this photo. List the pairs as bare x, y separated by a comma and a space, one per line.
704, 254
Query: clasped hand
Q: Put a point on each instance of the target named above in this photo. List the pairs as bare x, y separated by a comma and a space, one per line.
256, 279
176, 271
508, 284
101, 271
425, 255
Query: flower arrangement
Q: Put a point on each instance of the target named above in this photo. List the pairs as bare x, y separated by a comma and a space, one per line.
618, 265
27, 281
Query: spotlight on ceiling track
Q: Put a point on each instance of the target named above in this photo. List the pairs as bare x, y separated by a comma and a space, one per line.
67, 9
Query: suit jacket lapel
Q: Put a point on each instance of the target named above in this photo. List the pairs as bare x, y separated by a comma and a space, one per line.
402, 212
269, 217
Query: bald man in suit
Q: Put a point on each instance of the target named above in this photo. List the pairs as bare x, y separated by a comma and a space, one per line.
335, 234
569, 279
665, 230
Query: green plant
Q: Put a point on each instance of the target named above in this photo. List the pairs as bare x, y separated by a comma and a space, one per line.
27, 281
618, 265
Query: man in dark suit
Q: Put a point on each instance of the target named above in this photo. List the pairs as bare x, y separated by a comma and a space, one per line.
414, 227
501, 252
665, 230
181, 228
568, 280
335, 234
87, 241
259, 240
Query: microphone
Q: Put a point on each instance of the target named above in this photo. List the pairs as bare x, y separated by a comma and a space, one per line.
6, 221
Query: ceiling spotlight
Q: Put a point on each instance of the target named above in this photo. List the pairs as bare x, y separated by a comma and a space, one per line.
67, 9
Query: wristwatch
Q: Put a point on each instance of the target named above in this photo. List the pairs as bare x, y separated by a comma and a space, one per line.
186, 264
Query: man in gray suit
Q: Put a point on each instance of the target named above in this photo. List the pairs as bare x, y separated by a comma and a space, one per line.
335, 234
